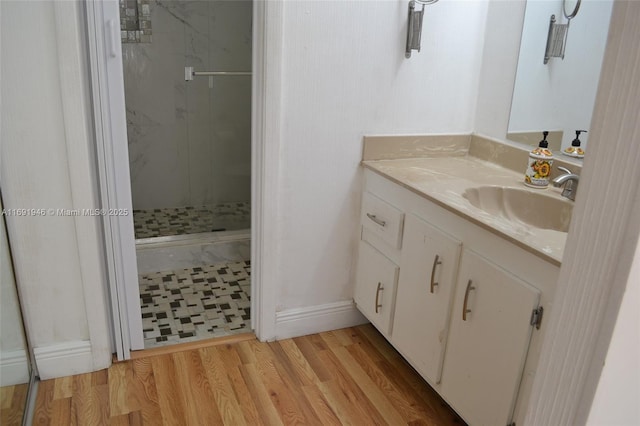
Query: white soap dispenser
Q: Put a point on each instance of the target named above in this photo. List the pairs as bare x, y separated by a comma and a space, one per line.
539, 166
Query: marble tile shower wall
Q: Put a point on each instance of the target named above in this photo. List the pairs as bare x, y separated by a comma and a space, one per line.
190, 141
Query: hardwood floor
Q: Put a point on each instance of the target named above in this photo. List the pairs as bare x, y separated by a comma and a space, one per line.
12, 403
350, 376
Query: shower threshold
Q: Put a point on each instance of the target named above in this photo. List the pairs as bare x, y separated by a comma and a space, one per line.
189, 239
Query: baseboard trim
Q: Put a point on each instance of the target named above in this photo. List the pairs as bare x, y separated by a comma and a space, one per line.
65, 359
14, 368
316, 319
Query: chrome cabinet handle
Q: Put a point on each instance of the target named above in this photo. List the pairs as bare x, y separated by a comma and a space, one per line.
465, 311
376, 220
378, 290
436, 262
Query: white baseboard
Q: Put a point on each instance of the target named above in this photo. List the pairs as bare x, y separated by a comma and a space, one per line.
64, 359
316, 319
14, 368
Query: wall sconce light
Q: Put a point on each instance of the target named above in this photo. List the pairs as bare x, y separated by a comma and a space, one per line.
414, 29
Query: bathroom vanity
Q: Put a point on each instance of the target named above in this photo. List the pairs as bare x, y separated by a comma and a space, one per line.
460, 290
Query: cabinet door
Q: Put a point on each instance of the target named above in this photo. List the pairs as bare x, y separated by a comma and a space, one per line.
488, 341
427, 277
375, 287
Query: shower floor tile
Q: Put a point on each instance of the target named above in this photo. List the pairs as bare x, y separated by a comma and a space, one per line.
191, 220
197, 303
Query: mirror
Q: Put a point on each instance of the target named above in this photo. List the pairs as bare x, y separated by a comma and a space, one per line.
558, 96
15, 367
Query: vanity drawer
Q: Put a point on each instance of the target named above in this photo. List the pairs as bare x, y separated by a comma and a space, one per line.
382, 219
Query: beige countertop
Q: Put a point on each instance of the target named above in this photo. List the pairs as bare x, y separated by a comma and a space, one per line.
443, 180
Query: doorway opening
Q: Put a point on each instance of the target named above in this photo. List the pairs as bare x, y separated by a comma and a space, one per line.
189, 145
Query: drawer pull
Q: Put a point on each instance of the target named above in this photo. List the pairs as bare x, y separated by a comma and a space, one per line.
376, 220
436, 262
378, 290
465, 311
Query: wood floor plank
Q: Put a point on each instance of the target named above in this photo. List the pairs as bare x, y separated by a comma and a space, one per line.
121, 420
299, 363
291, 409
231, 360
361, 406
310, 354
344, 336
144, 386
397, 370
164, 372
63, 388
379, 342
87, 405
320, 406
401, 396
368, 387
6, 397
196, 393
388, 360
331, 339
100, 377
260, 394
133, 418
14, 402
61, 411
221, 387
42, 410
230, 356
246, 354
284, 366
350, 376
121, 399
318, 342
345, 408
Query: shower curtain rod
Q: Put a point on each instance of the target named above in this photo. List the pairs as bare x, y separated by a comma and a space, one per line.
189, 73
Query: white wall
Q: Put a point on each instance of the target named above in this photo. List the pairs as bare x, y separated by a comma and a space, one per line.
560, 95
190, 141
344, 76
618, 392
47, 163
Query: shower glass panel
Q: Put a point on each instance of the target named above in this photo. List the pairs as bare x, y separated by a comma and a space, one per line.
189, 141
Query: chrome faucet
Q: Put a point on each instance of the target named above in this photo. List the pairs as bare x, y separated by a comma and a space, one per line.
570, 182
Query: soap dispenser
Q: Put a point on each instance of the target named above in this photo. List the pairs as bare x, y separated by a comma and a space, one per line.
575, 150
539, 166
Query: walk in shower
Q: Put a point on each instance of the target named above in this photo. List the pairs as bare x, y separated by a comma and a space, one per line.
189, 139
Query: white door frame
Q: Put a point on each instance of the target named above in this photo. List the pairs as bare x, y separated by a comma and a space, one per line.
265, 164
105, 57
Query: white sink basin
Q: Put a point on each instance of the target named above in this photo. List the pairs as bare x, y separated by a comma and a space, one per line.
521, 205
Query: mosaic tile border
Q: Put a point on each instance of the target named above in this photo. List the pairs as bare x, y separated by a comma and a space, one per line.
135, 21
195, 303
191, 220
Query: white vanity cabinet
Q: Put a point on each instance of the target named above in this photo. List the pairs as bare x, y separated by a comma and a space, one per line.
429, 265
455, 299
488, 341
